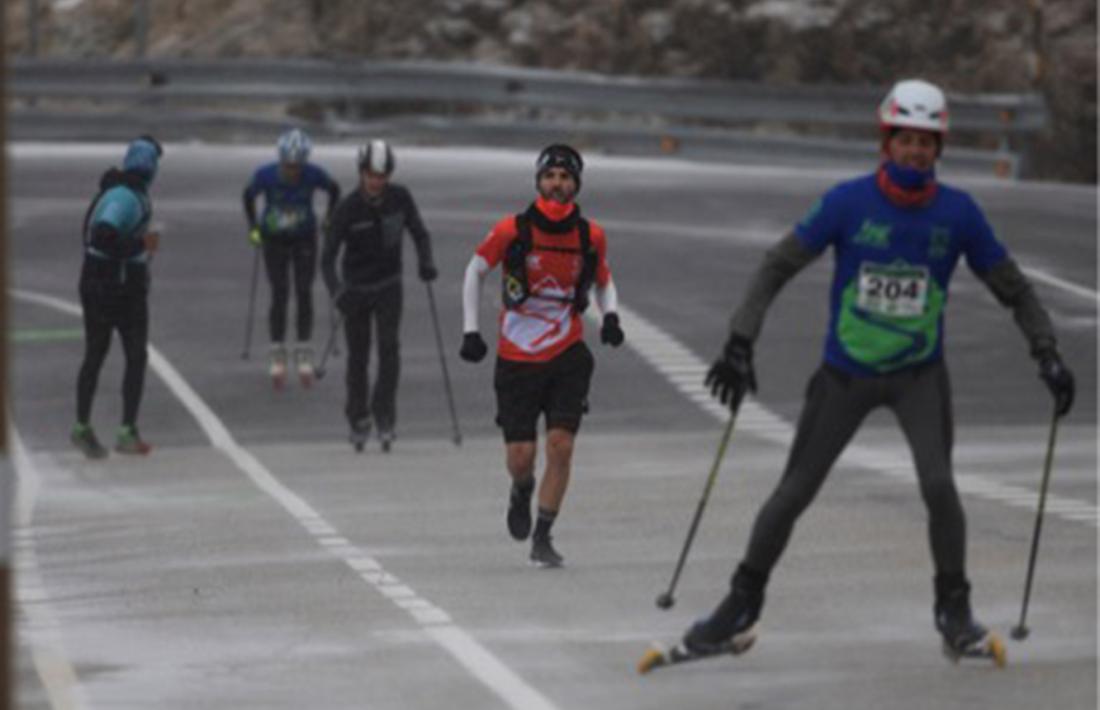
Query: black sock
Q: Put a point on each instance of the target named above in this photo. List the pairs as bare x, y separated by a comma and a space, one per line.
545, 520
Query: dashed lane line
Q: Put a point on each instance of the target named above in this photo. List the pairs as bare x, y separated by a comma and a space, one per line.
40, 623
686, 372
434, 621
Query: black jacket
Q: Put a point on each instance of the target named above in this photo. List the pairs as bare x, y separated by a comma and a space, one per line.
369, 232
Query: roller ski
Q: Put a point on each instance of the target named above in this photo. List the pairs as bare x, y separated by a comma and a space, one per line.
277, 368
303, 359
359, 434
963, 637
658, 656
731, 629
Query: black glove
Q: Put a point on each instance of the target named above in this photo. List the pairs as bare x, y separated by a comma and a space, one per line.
732, 375
610, 333
344, 301
1058, 378
428, 273
473, 347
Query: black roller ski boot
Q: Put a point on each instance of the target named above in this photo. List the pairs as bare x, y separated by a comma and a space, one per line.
730, 629
963, 637
360, 432
386, 437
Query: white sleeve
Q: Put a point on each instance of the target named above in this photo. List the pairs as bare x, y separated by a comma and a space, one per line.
471, 293
607, 298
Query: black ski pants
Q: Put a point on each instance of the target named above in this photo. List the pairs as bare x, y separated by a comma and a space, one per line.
109, 306
836, 404
280, 259
380, 309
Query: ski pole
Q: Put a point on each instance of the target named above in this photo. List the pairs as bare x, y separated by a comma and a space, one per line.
251, 304
1020, 631
457, 437
332, 316
329, 347
665, 600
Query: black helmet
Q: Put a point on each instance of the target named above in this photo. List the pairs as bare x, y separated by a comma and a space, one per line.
377, 157
560, 155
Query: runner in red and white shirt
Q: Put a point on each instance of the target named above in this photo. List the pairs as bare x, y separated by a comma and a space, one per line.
551, 257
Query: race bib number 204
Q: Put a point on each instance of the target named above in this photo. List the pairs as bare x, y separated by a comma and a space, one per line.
898, 291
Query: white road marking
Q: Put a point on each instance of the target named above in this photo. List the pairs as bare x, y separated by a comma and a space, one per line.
672, 359
48, 652
436, 623
1069, 286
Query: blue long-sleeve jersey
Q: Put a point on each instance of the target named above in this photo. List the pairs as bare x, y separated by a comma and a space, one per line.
288, 207
893, 266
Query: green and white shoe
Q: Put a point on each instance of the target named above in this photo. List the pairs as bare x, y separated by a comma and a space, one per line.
130, 442
84, 438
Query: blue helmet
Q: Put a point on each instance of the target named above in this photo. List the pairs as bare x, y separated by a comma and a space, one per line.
294, 146
142, 157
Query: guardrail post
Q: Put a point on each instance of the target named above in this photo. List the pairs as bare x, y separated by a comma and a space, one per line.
141, 26
32, 28
1007, 165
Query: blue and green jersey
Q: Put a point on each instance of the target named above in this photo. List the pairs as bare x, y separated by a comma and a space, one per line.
288, 207
892, 270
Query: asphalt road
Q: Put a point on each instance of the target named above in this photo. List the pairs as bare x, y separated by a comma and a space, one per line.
255, 561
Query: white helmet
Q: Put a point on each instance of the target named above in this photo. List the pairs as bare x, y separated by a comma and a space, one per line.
377, 157
294, 146
914, 103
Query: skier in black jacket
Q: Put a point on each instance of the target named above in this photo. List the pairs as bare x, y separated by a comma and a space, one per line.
367, 227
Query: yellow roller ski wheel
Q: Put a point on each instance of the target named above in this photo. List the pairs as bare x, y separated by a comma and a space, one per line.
651, 659
997, 650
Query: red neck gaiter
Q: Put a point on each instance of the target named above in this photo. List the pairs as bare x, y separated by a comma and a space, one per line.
555, 211
902, 196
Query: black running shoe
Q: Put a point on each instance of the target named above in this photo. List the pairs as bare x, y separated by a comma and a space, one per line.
519, 511
543, 553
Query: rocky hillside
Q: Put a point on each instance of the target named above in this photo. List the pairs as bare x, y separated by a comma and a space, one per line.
967, 45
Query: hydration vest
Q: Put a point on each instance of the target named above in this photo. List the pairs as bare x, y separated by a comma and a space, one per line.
134, 226
515, 287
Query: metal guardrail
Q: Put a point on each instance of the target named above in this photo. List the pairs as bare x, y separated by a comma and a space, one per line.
1011, 118
732, 101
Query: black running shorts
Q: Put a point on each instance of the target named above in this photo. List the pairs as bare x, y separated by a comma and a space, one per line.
558, 388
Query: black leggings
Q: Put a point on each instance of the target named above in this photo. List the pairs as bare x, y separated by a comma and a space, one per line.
836, 404
108, 308
278, 257
382, 309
